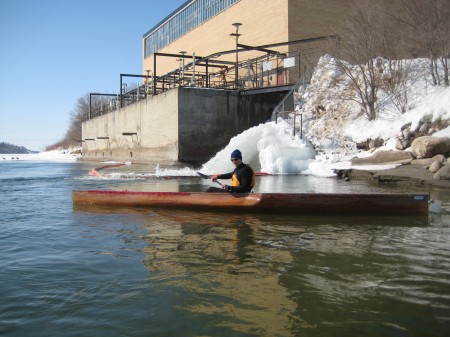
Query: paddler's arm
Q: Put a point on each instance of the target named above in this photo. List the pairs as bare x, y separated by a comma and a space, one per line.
214, 177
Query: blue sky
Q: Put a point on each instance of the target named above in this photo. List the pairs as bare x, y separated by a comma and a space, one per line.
56, 51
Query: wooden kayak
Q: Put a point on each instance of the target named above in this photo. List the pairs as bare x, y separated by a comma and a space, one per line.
301, 203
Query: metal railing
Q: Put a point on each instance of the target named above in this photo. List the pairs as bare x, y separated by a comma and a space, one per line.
280, 111
264, 71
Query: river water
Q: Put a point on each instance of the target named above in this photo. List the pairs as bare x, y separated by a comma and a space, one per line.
97, 271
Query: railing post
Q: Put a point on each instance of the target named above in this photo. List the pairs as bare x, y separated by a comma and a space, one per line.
120, 90
207, 75
90, 106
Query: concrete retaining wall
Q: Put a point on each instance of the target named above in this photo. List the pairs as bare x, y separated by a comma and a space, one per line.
181, 125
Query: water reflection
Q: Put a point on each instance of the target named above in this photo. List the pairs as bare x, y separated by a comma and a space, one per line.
263, 275
284, 275
213, 259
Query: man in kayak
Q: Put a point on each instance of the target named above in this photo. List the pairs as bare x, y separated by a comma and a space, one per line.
242, 178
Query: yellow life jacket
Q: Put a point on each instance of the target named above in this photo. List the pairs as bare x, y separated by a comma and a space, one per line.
235, 181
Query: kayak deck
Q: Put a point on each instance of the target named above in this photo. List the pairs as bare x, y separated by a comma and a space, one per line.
301, 203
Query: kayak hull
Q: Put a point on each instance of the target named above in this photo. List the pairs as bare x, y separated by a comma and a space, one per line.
301, 203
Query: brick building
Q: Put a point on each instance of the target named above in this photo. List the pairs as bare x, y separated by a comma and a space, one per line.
267, 53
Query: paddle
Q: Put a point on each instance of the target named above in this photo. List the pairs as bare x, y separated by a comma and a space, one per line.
204, 176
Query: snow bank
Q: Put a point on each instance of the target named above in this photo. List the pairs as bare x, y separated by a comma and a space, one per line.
335, 125
270, 148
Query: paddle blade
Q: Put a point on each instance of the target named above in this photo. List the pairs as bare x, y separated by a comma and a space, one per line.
204, 176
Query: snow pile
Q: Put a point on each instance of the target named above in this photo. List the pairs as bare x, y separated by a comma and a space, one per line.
269, 148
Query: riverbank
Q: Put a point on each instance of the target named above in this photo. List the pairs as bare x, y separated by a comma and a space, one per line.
411, 175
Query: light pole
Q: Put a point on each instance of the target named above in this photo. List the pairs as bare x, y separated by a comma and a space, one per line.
236, 35
179, 70
182, 68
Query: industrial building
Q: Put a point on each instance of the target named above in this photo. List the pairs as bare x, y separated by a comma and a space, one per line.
272, 41
249, 54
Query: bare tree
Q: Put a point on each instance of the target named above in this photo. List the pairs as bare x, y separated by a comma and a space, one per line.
360, 47
395, 71
429, 23
72, 137
87, 105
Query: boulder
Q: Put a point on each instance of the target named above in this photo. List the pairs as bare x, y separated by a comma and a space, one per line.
435, 166
428, 161
385, 157
439, 158
443, 173
406, 134
424, 128
403, 138
428, 146
401, 143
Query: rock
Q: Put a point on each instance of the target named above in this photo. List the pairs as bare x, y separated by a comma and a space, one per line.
406, 133
362, 146
428, 161
435, 166
424, 128
370, 144
402, 142
403, 138
440, 158
428, 146
443, 173
406, 126
375, 143
385, 157
399, 144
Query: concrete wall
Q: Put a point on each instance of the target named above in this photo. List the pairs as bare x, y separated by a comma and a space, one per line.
207, 121
209, 118
155, 122
182, 125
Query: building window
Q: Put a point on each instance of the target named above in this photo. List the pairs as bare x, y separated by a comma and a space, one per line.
186, 19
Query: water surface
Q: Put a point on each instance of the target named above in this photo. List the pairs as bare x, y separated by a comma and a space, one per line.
102, 271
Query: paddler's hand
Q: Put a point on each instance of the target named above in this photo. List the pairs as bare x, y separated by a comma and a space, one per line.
214, 177
226, 188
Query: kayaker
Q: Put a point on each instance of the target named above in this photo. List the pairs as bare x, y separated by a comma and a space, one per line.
242, 178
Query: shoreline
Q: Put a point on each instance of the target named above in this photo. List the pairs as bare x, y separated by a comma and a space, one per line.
414, 175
